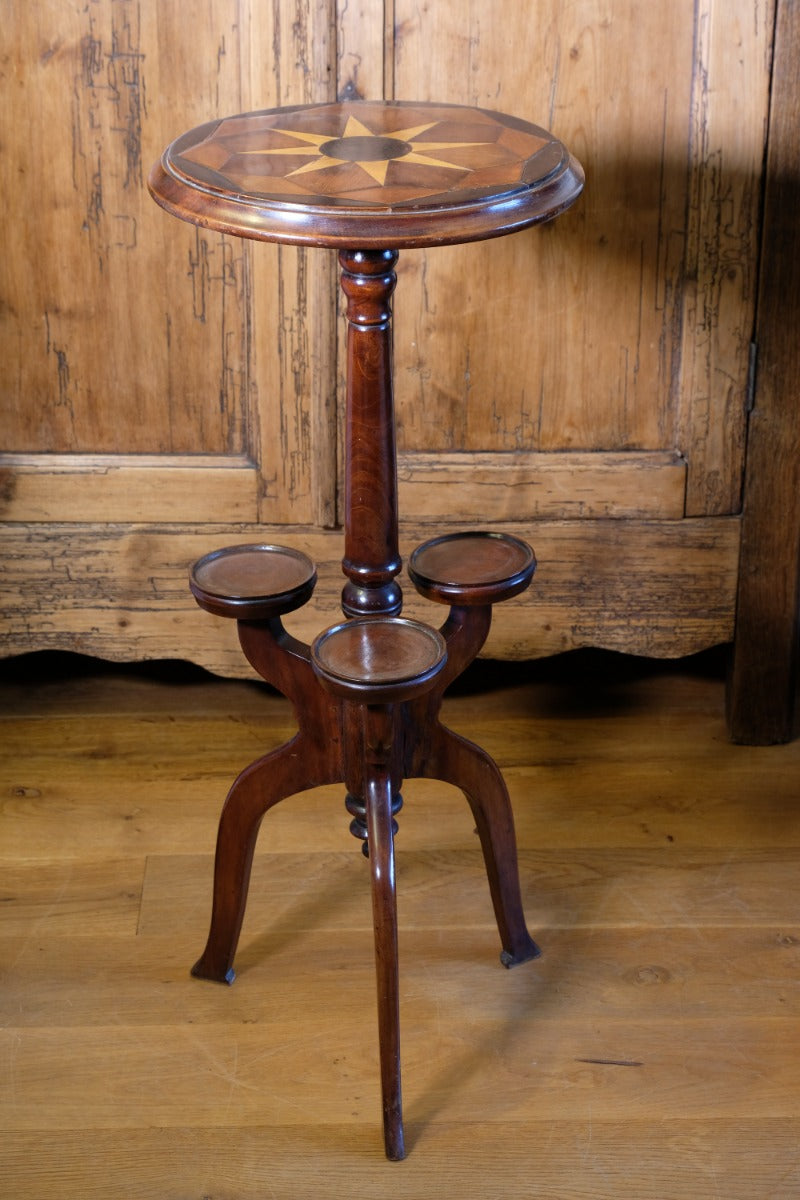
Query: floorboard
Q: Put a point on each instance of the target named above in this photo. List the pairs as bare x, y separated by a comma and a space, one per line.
650, 1053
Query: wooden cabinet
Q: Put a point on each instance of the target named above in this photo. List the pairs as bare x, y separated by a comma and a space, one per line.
167, 390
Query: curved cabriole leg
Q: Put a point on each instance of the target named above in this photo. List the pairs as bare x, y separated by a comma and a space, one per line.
260, 787
312, 757
455, 760
438, 753
378, 802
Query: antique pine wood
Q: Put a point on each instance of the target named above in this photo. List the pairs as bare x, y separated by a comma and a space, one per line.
181, 396
614, 437
367, 178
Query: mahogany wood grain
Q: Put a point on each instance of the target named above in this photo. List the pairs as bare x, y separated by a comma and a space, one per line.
367, 174
252, 582
376, 661
365, 740
378, 797
472, 568
371, 557
378, 726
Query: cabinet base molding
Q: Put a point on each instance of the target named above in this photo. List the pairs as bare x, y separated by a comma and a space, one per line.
662, 589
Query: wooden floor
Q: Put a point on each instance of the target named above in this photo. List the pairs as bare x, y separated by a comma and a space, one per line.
651, 1053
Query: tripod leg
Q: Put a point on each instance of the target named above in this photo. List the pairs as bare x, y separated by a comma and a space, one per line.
378, 800
260, 787
462, 763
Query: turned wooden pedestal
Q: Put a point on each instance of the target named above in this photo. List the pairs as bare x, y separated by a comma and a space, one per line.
367, 179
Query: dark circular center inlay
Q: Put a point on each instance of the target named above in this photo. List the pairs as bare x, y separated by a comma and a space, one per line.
365, 149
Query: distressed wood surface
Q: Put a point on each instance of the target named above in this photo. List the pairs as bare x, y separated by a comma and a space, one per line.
658, 588
127, 334
365, 50
90, 351
588, 353
124, 487
510, 486
518, 486
729, 108
650, 1051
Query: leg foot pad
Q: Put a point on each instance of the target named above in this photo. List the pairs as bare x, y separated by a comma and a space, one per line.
511, 958
200, 971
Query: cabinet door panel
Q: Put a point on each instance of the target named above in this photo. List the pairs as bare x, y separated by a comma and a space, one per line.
131, 341
101, 362
727, 133
624, 326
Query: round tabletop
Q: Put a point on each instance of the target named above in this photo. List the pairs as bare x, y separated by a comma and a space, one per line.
367, 175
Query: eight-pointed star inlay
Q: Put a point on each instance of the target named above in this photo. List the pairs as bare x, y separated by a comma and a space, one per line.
371, 151
400, 162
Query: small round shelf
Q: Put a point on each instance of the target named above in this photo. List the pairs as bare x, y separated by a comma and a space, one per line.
472, 568
252, 582
377, 660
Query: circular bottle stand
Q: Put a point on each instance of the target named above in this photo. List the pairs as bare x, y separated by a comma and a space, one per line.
472, 568
252, 582
378, 660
